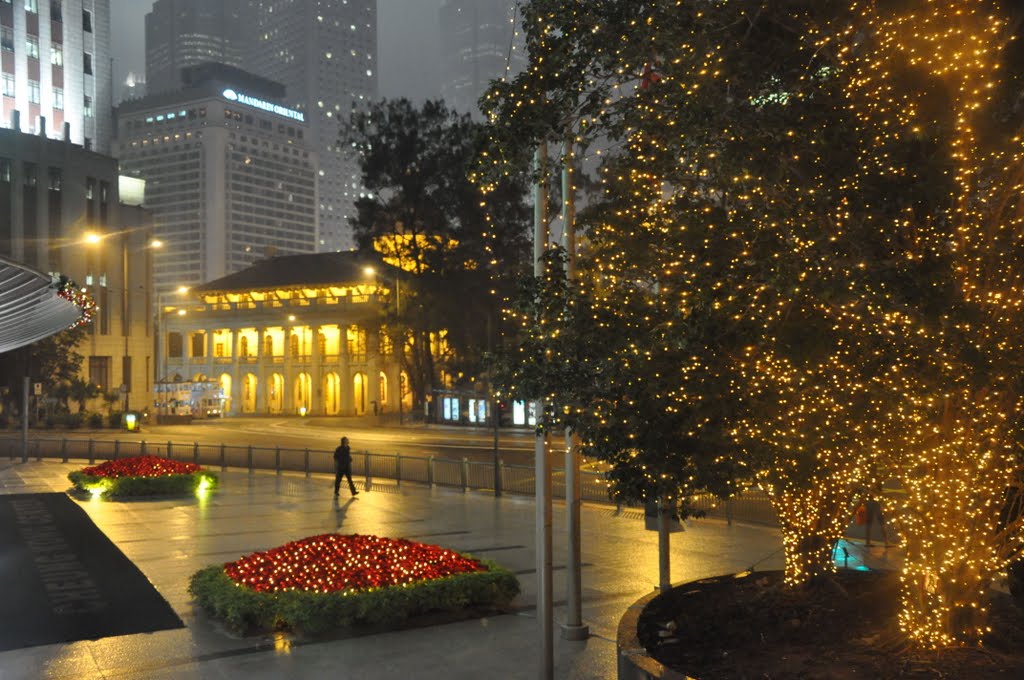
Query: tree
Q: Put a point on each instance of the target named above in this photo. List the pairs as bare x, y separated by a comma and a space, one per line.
53, 360
425, 216
82, 391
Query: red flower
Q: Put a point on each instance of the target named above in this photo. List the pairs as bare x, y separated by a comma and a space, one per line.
335, 562
141, 466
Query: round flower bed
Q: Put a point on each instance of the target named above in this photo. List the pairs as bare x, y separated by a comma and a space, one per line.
142, 476
333, 580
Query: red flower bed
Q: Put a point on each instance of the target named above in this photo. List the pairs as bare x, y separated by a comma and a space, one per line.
141, 466
335, 562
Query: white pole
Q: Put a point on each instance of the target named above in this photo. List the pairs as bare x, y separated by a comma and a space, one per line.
574, 629
542, 461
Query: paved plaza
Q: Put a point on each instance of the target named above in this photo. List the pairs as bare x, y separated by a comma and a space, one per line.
170, 539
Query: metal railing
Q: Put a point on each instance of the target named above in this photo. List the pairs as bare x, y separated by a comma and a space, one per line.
464, 474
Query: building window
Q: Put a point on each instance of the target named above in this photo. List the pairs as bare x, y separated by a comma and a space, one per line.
87, 21
29, 170
87, 106
199, 345
32, 44
8, 85
5, 169
57, 54
33, 91
56, 179
56, 11
87, 63
174, 345
99, 372
6, 38
58, 99
32, 6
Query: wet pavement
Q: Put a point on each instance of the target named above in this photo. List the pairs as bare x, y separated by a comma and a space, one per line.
171, 539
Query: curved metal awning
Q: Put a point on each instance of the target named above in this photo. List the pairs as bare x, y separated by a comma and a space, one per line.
32, 305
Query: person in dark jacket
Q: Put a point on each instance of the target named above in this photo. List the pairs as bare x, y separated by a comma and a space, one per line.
343, 467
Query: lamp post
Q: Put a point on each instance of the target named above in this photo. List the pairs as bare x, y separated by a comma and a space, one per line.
160, 363
96, 239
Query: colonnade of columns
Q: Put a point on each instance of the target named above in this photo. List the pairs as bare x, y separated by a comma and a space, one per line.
312, 369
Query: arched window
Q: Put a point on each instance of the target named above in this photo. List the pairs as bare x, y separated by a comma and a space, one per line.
175, 346
243, 346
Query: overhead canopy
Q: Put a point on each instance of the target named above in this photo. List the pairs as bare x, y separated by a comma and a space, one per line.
32, 306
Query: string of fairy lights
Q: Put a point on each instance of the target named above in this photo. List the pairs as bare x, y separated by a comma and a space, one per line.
873, 325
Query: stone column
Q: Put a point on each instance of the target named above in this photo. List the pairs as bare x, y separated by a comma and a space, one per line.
316, 397
346, 406
373, 371
288, 398
261, 374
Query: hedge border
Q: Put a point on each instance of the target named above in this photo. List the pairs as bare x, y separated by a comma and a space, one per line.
245, 611
140, 487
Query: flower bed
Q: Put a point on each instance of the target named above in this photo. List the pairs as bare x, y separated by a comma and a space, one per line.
142, 476
330, 581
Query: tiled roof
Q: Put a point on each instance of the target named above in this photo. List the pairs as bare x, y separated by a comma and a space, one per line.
297, 271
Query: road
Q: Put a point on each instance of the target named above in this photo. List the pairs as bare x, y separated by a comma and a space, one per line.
441, 441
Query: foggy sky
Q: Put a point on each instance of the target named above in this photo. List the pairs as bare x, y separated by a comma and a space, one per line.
408, 45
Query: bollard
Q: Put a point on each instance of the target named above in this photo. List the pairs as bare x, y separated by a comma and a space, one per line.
465, 474
398, 469
64, 449
117, 449
277, 459
728, 512
92, 455
307, 463
39, 457
430, 471
142, 448
223, 457
170, 451
498, 470
195, 452
250, 459
366, 469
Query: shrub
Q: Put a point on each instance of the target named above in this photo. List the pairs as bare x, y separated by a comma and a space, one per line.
74, 421
245, 610
96, 421
141, 476
114, 419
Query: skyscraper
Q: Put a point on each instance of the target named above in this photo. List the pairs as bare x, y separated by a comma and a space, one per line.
478, 44
230, 177
325, 51
182, 33
56, 71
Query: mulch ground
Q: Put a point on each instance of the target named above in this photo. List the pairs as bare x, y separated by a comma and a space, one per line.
751, 627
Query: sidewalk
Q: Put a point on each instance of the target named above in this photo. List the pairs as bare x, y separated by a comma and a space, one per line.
170, 539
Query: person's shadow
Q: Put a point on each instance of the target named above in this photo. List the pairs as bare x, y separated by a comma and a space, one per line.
341, 508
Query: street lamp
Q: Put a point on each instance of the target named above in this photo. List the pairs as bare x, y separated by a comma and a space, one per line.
161, 364
97, 239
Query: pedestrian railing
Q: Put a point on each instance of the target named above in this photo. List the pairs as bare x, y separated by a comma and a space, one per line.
751, 506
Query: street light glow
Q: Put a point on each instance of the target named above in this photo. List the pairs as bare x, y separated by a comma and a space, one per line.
92, 238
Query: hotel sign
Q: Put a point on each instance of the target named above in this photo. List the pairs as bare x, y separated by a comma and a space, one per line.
243, 98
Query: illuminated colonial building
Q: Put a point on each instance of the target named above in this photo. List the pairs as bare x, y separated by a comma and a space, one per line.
299, 334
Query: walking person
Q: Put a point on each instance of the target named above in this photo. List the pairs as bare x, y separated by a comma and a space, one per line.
873, 514
343, 466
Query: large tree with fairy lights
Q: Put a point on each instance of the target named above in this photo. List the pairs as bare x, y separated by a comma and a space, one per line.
803, 241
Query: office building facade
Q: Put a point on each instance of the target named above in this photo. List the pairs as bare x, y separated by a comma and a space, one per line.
182, 33
230, 175
479, 43
325, 51
60, 213
55, 72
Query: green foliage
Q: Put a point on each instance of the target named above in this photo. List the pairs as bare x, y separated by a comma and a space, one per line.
136, 487
247, 611
96, 421
426, 215
114, 419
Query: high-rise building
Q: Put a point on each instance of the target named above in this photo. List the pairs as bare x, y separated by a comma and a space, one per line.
55, 69
325, 51
479, 43
181, 33
230, 173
